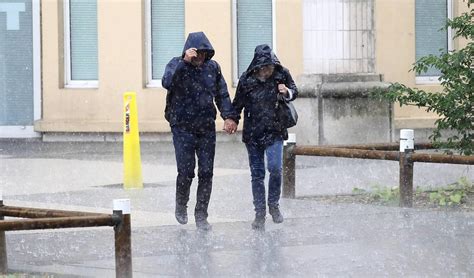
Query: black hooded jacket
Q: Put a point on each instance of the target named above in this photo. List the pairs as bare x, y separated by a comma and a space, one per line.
259, 99
192, 90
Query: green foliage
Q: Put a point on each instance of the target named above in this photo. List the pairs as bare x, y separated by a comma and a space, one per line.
454, 103
453, 194
379, 193
385, 194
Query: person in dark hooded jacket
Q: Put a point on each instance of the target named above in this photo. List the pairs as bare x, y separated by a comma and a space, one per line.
194, 81
265, 83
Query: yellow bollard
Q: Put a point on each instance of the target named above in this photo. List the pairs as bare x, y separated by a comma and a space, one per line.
132, 165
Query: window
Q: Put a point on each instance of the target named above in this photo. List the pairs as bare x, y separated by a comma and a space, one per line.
20, 70
80, 34
339, 36
253, 24
430, 17
165, 36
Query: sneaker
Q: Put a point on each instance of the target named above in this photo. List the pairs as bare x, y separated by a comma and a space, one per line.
276, 214
181, 214
259, 222
203, 225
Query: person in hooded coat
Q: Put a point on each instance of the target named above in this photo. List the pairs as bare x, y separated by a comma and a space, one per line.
194, 81
261, 87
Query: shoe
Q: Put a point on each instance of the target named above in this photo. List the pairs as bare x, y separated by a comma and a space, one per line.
181, 214
203, 225
259, 222
276, 214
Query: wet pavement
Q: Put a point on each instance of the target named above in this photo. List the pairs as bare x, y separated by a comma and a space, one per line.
316, 239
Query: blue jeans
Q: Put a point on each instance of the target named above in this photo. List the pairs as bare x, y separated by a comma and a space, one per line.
274, 154
187, 146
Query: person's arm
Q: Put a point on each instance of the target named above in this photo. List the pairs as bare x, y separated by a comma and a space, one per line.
239, 101
288, 89
222, 98
172, 68
224, 104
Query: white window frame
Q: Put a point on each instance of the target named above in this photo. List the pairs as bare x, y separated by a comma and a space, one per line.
235, 58
150, 82
434, 80
69, 83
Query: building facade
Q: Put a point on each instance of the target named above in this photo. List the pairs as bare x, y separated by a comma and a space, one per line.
65, 64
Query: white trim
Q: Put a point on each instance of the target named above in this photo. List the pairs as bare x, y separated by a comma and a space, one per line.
18, 132
235, 56
449, 5
427, 80
87, 84
36, 21
274, 44
68, 82
434, 80
150, 82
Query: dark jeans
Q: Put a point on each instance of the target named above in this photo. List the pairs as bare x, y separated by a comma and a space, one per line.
257, 169
187, 146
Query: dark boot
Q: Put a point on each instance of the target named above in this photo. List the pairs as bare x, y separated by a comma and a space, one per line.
276, 214
203, 225
181, 214
259, 222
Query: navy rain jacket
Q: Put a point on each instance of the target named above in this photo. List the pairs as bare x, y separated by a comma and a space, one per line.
259, 99
192, 90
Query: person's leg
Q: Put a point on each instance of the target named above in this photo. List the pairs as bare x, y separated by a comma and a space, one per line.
205, 150
184, 145
274, 154
257, 169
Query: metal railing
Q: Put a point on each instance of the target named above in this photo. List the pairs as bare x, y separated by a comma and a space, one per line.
406, 158
58, 219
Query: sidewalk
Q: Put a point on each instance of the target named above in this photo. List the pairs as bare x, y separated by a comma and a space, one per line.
315, 239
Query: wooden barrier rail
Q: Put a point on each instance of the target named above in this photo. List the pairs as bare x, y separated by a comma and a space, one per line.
58, 219
406, 161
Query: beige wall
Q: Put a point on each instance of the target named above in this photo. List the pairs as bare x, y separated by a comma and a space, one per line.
122, 62
395, 54
122, 59
289, 36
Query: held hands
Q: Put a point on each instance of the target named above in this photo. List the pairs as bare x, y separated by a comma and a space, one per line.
230, 126
282, 89
189, 54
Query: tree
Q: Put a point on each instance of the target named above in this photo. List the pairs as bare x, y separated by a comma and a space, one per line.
454, 104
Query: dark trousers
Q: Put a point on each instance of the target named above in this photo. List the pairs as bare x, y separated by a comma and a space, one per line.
187, 146
257, 169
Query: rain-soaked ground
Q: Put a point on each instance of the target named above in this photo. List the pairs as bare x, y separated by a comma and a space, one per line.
316, 239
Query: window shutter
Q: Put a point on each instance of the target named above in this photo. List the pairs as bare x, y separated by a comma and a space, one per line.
254, 27
83, 36
167, 33
430, 17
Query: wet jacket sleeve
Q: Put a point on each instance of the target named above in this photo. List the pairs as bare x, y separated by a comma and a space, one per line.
239, 101
290, 83
222, 98
172, 72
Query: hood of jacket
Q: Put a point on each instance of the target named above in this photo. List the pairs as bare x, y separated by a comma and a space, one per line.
263, 56
199, 41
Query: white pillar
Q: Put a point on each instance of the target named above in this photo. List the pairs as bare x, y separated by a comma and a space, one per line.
123, 205
407, 139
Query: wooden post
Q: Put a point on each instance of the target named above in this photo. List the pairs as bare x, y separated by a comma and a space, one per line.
406, 167
289, 160
123, 240
3, 245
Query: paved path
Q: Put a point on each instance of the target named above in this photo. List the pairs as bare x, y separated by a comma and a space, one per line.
347, 240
